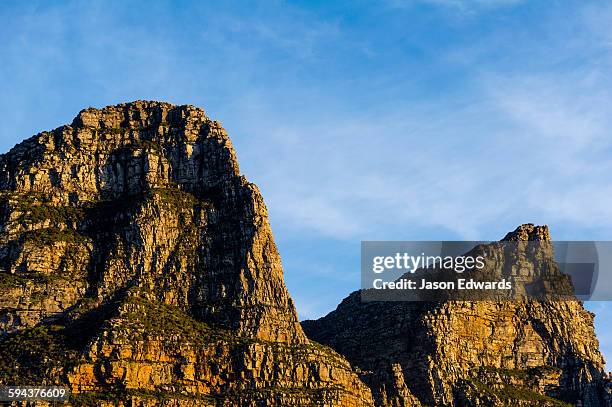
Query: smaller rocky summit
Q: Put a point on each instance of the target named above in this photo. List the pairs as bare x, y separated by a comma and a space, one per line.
462, 353
137, 267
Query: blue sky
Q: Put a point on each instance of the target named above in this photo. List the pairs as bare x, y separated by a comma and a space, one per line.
359, 120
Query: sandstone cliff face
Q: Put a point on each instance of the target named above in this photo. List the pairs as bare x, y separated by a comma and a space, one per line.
137, 266
469, 353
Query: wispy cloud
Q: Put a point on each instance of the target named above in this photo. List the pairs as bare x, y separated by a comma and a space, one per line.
463, 5
563, 123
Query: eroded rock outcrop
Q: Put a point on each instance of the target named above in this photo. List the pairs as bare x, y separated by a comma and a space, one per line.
478, 353
138, 267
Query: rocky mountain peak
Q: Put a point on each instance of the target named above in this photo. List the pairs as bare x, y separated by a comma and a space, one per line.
131, 245
122, 150
473, 353
529, 232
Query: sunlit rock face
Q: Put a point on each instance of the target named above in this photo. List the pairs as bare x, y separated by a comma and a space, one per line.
137, 264
480, 353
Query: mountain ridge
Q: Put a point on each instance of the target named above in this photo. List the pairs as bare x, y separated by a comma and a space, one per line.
138, 267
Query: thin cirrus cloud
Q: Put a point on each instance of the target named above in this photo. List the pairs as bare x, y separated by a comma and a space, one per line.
398, 122
521, 151
533, 145
464, 5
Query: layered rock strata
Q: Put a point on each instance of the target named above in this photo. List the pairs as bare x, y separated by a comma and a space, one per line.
137, 265
478, 353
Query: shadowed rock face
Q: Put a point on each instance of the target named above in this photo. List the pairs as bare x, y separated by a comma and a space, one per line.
469, 353
136, 262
